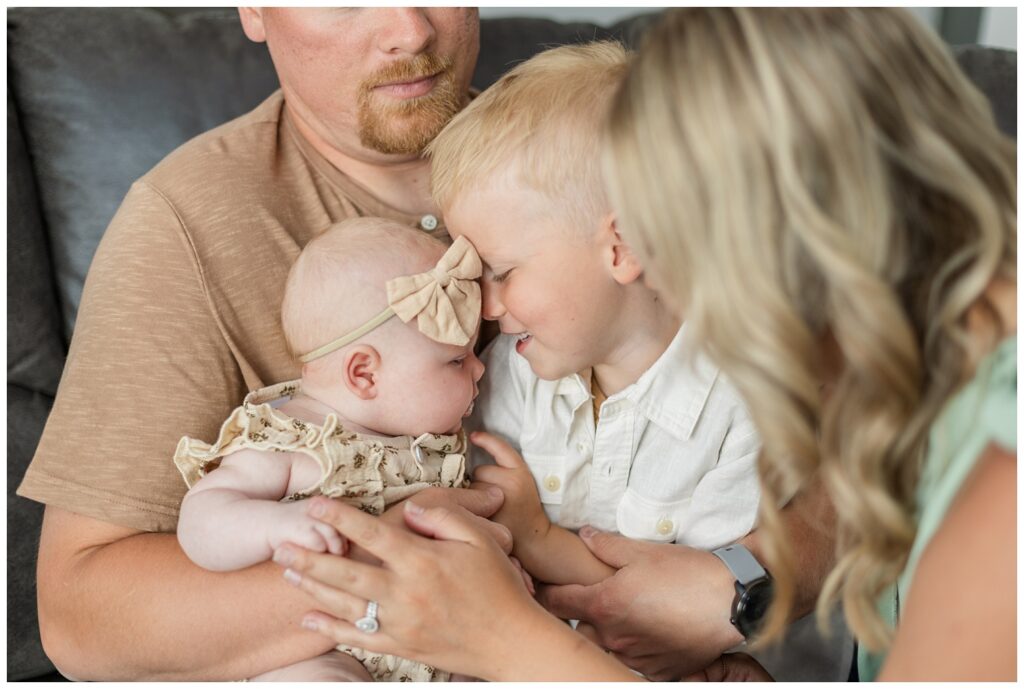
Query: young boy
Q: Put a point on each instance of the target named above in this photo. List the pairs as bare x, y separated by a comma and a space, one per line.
611, 418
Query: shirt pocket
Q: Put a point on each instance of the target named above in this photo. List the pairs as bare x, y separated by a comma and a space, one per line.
650, 520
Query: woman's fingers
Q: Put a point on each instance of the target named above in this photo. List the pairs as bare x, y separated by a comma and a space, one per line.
333, 572
344, 632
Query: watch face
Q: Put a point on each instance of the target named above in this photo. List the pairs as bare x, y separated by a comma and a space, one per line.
752, 606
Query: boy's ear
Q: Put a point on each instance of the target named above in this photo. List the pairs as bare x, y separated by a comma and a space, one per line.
625, 267
362, 364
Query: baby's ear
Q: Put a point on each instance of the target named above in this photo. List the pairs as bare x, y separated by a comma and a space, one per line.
362, 363
624, 265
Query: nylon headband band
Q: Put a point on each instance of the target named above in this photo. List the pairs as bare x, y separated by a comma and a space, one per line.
366, 327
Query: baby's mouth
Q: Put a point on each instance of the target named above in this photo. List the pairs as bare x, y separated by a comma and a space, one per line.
469, 410
522, 340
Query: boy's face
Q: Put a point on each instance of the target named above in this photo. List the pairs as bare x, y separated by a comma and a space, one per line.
425, 386
542, 281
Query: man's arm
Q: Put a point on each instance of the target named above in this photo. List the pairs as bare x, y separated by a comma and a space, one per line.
120, 604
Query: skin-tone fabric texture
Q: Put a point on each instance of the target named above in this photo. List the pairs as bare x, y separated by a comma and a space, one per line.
183, 339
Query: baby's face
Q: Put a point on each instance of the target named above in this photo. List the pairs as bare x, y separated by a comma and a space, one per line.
541, 282
425, 386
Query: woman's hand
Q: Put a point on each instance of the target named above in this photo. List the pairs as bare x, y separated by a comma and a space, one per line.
665, 613
453, 600
419, 587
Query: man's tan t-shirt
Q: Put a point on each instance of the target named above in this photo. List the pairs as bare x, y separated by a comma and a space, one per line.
180, 315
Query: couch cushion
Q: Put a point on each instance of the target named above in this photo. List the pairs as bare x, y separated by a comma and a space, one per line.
35, 352
994, 71
104, 94
26, 414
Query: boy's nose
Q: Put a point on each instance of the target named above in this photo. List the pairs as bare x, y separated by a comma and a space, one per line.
492, 309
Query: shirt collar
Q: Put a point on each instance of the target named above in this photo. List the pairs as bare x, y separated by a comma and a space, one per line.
673, 392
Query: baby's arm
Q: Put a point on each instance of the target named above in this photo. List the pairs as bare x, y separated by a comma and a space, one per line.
232, 519
548, 552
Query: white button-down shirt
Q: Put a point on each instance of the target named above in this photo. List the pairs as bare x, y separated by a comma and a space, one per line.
671, 458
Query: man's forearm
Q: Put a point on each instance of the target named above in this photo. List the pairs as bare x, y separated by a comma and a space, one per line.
810, 524
137, 608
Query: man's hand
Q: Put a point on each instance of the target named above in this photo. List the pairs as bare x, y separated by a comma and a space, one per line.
521, 511
479, 503
664, 613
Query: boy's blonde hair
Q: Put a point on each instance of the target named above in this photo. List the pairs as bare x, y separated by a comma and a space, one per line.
338, 282
539, 122
797, 175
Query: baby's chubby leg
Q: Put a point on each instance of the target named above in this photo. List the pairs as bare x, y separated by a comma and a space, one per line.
333, 666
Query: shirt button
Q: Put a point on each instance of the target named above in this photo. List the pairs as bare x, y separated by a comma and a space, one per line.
552, 484
428, 222
420, 455
665, 526
583, 448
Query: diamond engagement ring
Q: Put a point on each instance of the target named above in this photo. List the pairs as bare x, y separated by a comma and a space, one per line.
368, 623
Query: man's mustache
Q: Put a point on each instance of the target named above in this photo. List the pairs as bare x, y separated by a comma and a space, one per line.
419, 67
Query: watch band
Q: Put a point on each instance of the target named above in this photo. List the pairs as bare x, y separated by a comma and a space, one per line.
741, 562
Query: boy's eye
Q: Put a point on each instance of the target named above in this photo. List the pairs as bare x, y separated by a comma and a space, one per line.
502, 277
458, 362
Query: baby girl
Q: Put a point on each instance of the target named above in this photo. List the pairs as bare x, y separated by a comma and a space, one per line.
383, 320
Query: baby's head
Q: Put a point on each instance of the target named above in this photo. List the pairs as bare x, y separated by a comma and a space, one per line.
518, 173
393, 379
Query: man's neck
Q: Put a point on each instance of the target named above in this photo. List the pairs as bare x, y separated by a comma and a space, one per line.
643, 339
401, 183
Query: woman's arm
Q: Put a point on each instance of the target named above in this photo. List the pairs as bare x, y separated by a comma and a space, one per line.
959, 622
452, 600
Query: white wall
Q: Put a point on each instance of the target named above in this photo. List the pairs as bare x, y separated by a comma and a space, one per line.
999, 27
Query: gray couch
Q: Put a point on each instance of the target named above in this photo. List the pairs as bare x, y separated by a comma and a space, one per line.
95, 98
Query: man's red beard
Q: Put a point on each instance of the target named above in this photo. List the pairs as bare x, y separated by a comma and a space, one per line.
407, 126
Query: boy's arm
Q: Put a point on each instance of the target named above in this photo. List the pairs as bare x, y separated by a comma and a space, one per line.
558, 557
232, 519
549, 553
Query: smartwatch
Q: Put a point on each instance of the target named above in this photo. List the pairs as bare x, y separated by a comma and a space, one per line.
754, 588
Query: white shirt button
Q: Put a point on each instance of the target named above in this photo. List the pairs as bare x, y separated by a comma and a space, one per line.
420, 454
665, 526
552, 484
583, 448
428, 222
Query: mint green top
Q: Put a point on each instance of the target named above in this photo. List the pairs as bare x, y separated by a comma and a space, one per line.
984, 411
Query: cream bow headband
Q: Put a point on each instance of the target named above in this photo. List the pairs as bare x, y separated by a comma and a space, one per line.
444, 301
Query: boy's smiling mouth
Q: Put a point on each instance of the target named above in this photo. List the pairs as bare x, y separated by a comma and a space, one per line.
523, 339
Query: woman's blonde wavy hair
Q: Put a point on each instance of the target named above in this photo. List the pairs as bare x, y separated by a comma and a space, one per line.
803, 176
